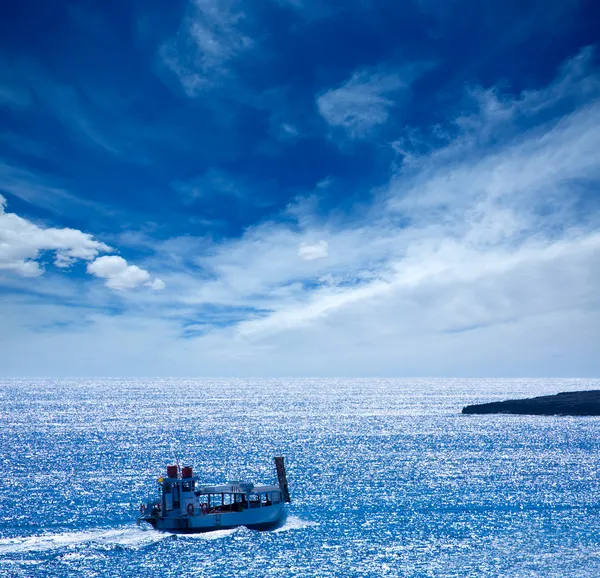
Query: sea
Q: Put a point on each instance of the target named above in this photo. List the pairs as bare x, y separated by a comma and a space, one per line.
387, 477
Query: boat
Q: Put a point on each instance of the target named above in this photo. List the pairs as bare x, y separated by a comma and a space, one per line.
185, 505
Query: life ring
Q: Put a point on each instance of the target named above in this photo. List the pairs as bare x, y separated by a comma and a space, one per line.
142, 509
190, 509
204, 508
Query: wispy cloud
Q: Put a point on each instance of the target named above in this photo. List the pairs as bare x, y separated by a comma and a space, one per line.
37, 190
365, 100
312, 9
212, 182
29, 88
288, 130
462, 236
209, 38
14, 97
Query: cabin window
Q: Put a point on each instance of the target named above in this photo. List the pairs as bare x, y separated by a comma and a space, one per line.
187, 486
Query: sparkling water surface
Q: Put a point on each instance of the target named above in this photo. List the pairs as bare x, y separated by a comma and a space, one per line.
387, 477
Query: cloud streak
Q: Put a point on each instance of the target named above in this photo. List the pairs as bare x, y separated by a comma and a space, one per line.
209, 38
364, 101
461, 236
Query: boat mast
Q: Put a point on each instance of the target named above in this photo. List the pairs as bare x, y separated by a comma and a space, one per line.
282, 478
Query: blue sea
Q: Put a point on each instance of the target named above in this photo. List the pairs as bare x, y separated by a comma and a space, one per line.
387, 477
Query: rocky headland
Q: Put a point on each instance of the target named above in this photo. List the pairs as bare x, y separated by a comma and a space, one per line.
566, 403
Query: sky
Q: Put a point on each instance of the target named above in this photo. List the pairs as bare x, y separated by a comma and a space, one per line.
384, 188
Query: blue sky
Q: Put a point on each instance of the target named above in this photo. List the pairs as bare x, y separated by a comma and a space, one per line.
300, 187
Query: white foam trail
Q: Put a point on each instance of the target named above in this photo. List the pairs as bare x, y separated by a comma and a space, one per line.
133, 538
214, 535
77, 556
125, 537
295, 523
128, 537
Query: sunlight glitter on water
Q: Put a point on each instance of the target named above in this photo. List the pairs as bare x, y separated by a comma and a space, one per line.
387, 478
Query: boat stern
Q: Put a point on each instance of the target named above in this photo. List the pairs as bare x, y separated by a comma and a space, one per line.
149, 513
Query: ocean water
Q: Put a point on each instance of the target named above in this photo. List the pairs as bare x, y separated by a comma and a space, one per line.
387, 478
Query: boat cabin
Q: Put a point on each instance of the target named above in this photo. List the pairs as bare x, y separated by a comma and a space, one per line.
186, 494
235, 497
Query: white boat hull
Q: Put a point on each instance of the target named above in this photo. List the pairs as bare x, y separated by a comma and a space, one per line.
256, 518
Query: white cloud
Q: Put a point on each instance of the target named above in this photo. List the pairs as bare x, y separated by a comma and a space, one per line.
157, 284
209, 38
310, 252
121, 276
22, 242
364, 101
479, 257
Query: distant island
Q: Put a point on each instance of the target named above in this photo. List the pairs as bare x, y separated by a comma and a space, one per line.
566, 403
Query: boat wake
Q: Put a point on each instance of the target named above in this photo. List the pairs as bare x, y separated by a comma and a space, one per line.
128, 538
214, 535
294, 523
